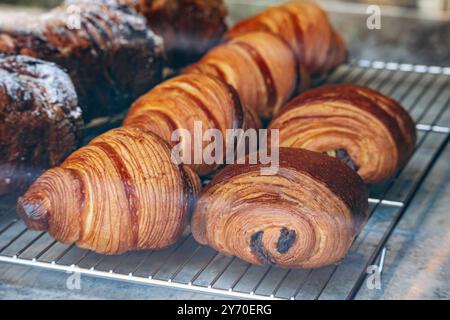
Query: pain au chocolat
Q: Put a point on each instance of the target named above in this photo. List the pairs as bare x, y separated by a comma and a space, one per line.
370, 132
121, 192
304, 216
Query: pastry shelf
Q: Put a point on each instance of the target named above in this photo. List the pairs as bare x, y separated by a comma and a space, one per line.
423, 90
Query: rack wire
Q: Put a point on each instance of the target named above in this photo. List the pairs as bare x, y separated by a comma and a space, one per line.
425, 93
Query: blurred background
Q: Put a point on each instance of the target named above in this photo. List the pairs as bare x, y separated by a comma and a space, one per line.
411, 31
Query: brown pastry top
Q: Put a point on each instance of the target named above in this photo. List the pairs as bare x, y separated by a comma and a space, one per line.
112, 56
331, 172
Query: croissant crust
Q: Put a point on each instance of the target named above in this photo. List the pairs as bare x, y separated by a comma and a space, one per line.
305, 26
304, 216
369, 131
175, 103
260, 66
119, 193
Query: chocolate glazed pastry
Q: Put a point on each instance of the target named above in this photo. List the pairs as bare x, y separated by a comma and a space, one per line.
189, 27
260, 66
370, 132
121, 192
176, 103
306, 28
111, 56
304, 216
40, 121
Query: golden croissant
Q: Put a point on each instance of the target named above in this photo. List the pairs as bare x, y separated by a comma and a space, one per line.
305, 26
304, 216
121, 192
370, 132
261, 67
184, 100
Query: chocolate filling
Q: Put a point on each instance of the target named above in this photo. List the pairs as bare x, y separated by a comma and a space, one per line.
343, 155
258, 249
286, 240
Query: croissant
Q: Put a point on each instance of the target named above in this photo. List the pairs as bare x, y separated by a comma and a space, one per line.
40, 121
121, 192
110, 54
180, 102
260, 66
370, 132
304, 216
305, 26
189, 27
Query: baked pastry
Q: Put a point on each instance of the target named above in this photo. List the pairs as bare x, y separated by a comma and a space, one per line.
189, 27
306, 28
40, 121
110, 53
184, 100
121, 192
260, 66
304, 216
370, 132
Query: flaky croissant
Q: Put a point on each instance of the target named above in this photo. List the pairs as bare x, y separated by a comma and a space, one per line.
260, 66
304, 216
121, 192
184, 100
306, 28
370, 132
40, 120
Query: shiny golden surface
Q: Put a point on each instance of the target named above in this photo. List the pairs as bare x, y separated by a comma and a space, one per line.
119, 193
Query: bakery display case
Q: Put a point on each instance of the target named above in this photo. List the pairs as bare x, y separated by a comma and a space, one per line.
378, 265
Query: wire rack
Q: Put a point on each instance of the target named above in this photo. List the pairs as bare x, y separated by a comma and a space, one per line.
423, 90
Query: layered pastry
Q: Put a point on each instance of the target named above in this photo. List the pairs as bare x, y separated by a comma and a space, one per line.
304, 216
192, 102
260, 66
305, 26
368, 131
121, 192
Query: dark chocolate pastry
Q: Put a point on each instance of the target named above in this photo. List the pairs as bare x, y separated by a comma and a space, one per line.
189, 27
40, 121
304, 216
109, 52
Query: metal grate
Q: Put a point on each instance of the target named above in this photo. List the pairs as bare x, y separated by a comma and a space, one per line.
424, 91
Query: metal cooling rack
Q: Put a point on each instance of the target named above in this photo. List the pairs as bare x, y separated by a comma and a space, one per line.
423, 90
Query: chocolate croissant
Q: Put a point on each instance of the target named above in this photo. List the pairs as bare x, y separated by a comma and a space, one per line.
121, 192
260, 66
370, 132
40, 121
181, 102
189, 27
110, 53
304, 216
306, 28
